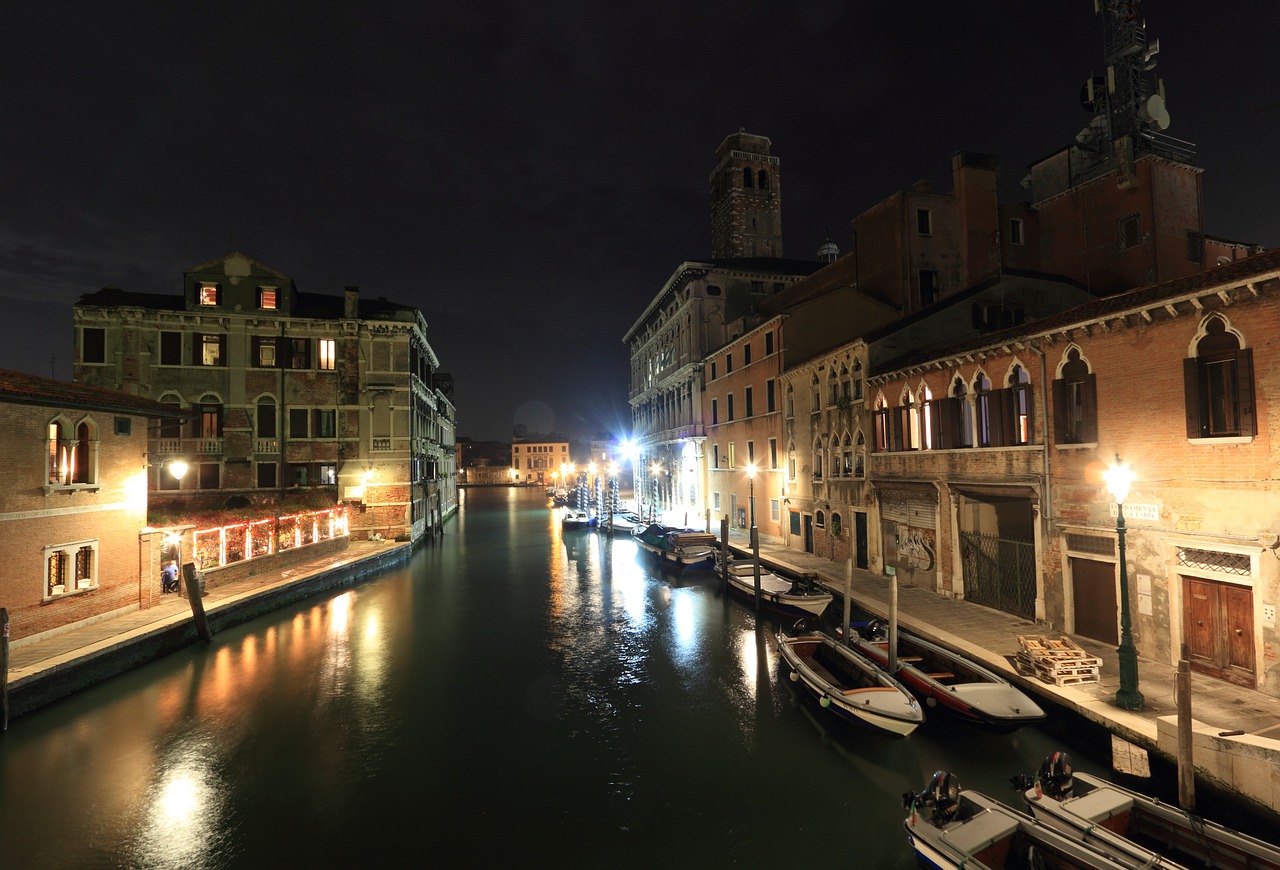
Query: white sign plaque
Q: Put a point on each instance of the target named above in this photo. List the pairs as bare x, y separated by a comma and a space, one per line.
1137, 511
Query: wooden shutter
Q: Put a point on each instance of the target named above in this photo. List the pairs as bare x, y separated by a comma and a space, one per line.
897, 428
1244, 391
1089, 423
1002, 418
1060, 412
949, 422
1191, 391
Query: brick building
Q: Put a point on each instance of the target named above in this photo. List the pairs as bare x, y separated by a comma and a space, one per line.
298, 397
74, 503
999, 445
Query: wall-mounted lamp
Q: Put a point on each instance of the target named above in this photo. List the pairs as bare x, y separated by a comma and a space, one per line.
1275, 547
177, 467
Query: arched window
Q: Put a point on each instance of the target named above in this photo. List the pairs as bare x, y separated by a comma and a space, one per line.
859, 456
1020, 405
881, 419
836, 525
815, 395
957, 416
791, 462
817, 458
846, 456
790, 402
928, 423
820, 520
762, 179
746, 176
71, 453
1075, 401
984, 411
907, 433
1218, 384
857, 379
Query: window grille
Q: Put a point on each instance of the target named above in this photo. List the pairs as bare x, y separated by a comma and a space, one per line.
1091, 544
1211, 560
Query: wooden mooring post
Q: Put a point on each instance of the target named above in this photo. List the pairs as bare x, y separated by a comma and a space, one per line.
195, 596
4, 669
1186, 764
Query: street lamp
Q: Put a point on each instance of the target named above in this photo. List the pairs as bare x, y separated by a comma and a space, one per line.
755, 533
1118, 478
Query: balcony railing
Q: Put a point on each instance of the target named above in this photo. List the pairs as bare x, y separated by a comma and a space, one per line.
181, 446
266, 445
381, 443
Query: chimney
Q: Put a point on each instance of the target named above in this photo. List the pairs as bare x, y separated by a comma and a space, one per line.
351, 303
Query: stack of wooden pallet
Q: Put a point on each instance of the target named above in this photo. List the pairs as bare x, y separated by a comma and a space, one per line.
1059, 660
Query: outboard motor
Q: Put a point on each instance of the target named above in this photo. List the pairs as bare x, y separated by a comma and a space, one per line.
942, 795
1055, 776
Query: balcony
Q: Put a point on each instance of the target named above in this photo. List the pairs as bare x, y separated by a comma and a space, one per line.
266, 445
381, 443
187, 446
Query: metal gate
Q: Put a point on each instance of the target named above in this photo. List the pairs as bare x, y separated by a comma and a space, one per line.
999, 573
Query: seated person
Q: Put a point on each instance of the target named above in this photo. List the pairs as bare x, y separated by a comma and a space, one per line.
169, 577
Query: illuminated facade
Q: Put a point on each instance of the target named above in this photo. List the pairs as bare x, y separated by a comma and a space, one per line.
74, 502
299, 399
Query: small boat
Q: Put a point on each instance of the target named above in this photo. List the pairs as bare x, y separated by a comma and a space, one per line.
680, 548
849, 685
576, 518
950, 828
1087, 807
801, 597
946, 679
623, 521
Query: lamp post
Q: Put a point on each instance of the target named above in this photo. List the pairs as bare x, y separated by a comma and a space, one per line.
755, 533
1118, 478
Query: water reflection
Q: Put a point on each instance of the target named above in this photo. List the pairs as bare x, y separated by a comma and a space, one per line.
558, 689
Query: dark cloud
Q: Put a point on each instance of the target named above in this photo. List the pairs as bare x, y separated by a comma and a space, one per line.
530, 174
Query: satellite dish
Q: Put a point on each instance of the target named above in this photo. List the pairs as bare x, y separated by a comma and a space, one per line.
1152, 111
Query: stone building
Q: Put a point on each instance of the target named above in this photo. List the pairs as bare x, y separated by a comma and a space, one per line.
298, 397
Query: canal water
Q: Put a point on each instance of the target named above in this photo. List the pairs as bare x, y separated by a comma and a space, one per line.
514, 694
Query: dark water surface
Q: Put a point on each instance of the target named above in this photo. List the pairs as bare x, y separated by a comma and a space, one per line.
512, 695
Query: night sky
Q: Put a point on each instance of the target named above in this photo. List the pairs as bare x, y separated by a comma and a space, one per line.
530, 174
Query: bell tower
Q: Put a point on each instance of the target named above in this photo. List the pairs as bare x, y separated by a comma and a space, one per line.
746, 199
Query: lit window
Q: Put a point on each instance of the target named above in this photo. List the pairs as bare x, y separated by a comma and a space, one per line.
328, 474
208, 294
70, 567
328, 353
71, 454
267, 298
211, 349
1218, 383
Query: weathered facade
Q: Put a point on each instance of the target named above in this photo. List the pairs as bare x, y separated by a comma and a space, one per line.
1004, 440
298, 396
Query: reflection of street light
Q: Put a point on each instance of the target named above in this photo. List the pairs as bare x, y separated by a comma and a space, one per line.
513, 473
1118, 478
755, 533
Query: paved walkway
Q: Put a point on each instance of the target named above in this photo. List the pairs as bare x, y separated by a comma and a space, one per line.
991, 637
112, 644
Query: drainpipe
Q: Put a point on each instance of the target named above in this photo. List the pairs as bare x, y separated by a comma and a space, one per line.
1047, 511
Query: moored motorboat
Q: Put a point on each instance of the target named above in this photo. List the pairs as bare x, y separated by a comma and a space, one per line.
576, 518
848, 685
790, 597
1088, 807
951, 828
943, 678
622, 521
679, 548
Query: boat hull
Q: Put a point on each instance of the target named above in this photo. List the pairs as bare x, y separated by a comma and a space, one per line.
1103, 809
849, 686
944, 679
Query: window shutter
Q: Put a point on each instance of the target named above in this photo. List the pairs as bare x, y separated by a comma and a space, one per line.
1244, 390
934, 412
1001, 418
1060, 433
949, 417
896, 430
1031, 415
197, 345
1191, 390
1089, 427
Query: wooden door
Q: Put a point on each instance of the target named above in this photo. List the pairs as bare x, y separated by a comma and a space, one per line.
860, 536
1093, 594
1217, 630
808, 533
